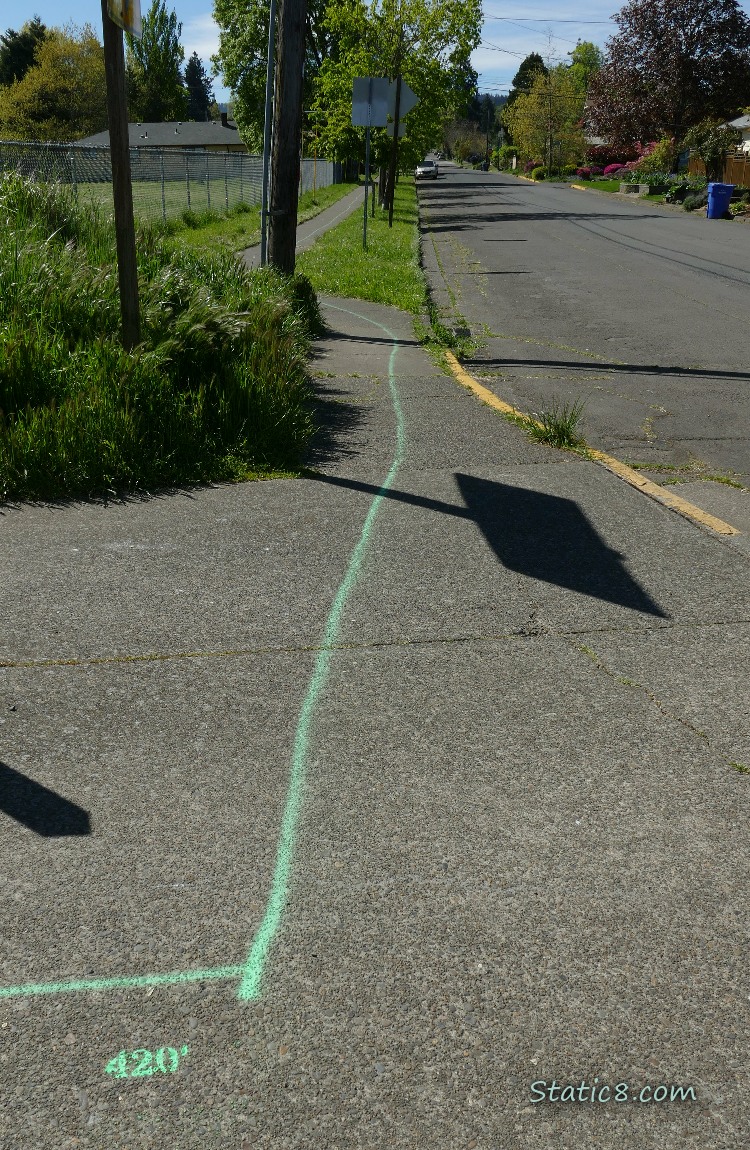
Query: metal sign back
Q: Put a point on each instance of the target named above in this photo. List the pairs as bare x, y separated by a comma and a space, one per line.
408, 100
370, 102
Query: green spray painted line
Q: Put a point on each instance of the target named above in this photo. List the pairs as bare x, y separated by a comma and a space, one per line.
252, 970
30, 989
256, 959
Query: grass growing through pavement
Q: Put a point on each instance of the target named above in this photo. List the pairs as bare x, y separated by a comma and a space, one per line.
217, 390
556, 426
688, 472
240, 227
388, 272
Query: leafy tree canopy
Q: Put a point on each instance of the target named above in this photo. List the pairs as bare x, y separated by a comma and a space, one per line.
243, 45
200, 89
710, 140
60, 98
585, 61
427, 42
17, 50
156, 91
673, 63
545, 121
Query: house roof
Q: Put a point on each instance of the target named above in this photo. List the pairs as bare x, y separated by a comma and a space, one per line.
742, 122
178, 134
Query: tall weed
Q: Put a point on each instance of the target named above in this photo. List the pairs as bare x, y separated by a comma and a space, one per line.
217, 389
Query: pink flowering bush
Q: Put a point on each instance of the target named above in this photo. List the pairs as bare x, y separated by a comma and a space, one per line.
583, 173
612, 171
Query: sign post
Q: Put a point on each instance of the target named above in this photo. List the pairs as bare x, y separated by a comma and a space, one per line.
116, 16
369, 110
267, 127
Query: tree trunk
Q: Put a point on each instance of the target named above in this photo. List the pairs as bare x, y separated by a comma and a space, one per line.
392, 167
287, 127
383, 185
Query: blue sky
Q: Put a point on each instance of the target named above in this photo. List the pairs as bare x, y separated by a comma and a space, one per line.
512, 30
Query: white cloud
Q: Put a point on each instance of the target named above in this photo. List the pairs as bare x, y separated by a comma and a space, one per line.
201, 34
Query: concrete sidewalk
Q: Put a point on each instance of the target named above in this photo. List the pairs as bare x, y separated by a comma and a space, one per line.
448, 723
308, 232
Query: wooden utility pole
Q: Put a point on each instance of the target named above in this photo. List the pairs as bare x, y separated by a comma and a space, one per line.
287, 129
119, 150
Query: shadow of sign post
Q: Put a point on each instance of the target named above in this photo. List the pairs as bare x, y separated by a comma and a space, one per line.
548, 537
38, 808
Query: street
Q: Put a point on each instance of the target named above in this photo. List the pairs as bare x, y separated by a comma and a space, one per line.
638, 309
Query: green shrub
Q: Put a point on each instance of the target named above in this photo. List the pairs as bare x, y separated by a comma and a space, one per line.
505, 155
217, 388
538, 173
695, 200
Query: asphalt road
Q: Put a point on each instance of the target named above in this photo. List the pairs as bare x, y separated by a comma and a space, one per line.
638, 309
341, 813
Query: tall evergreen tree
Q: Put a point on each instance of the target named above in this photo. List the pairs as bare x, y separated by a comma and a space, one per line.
200, 89
156, 91
17, 50
525, 76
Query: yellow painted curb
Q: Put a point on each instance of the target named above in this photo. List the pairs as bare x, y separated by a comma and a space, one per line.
660, 494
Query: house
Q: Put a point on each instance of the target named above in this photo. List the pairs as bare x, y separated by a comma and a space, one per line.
742, 124
212, 136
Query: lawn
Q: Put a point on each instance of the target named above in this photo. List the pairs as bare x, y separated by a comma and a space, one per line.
240, 227
388, 272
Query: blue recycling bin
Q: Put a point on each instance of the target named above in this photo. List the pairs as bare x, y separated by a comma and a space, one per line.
719, 197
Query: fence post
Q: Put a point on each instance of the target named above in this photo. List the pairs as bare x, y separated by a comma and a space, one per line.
187, 179
75, 184
226, 183
208, 183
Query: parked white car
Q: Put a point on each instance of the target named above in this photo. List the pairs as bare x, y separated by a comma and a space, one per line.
427, 170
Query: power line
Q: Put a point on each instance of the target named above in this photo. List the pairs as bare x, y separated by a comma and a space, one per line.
546, 20
540, 33
507, 51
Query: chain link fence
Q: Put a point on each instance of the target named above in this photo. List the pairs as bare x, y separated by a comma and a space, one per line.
166, 181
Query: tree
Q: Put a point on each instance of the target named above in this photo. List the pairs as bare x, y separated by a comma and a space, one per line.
585, 61
672, 64
200, 89
154, 68
711, 140
524, 77
426, 42
60, 98
17, 50
545, 121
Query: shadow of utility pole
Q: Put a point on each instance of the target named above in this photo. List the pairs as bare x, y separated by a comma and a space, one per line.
38, 808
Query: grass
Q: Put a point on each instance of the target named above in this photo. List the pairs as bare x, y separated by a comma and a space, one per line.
557, 426
217, 390
688, 472
740, 768
240, 227
604, 185
388, 272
